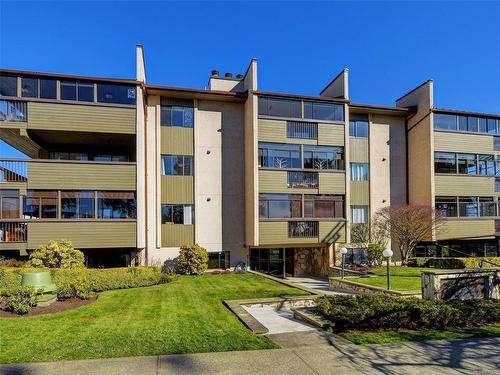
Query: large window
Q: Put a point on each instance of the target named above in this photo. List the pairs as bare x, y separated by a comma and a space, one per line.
486, 165
38, 88
9, 204
447, 206
276, 155
29, 87
467, 164
359, 214
48, 89
445, 162
445, 122
323, 206
182, 117
323, 111
116, 205
58, 155
8, 85
280, 107
496, 143
487, 207
80, 91
304, 130
177, 165
77, 205
280, 206
359, 171
358, 129
468, 206
117, 94
40, 204
492, 126
471, 124
324, 157
177, 214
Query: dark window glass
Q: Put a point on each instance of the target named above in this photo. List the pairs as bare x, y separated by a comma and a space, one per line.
118, 94
487, 207
9, 204
40, 204
496, 143
445, 162
358, 129
68, 208
462, 123
68, 155
48, 89
116, 205
177, 116
486, 165
280, 107
323, 206
467, 164
324, 157
497, 184
77, 204
8, 85
177, 214
323, 111
447, 206
472, 124
85, 92
177, 165
110, 157
304, 130
492, 126
68, 90
445, 122
482, 125
280, 206
29, 87
468, 206
277, 155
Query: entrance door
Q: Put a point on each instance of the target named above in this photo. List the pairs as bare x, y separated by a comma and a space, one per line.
289, 262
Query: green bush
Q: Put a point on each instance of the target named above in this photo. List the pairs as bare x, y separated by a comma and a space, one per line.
375, 256
76, 288
392, 312
22, 300
192, 260
99, 279
455, 263
57, 255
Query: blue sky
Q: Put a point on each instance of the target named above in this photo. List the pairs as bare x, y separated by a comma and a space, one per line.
389, 47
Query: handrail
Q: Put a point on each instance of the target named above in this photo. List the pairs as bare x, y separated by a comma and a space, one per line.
68, 161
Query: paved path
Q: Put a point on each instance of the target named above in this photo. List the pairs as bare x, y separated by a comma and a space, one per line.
471, 356
319, 285
277, 320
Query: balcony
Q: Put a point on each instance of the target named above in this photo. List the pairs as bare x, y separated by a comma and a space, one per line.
11, 110
13, 232
13, 170
292, 231
301, 229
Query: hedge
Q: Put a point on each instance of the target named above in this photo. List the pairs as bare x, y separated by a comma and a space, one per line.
454, 263
393, 312
99, 279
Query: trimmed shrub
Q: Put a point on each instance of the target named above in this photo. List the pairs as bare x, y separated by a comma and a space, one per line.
76, 288
192, 260
57, 255
455, 263
375, 256
392, 312
22, 300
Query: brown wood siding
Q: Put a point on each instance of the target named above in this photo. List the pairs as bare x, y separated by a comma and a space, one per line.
277, 182
464, 185
83, 234
332, 231
177, 189
462, 142
331, 134
81, 118
358, 150
276, 232
174, 235
452, 228
360, 193
332, 183
52, 175
176, 141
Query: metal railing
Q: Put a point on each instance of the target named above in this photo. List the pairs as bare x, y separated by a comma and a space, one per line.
302, 180
13, 170
304, 130
303, 229
13, 232
11, 110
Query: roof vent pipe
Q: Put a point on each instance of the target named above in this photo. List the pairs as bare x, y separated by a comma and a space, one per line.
215, 73
228, 75
239, 76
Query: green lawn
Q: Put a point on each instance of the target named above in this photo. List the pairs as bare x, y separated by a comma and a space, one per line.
361, 337
404, 279
181, 317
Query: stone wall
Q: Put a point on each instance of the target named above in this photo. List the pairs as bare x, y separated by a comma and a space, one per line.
311, 261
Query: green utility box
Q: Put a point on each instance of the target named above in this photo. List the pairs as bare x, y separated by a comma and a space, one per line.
41, 281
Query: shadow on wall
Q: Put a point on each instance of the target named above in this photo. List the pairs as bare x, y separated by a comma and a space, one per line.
334, 234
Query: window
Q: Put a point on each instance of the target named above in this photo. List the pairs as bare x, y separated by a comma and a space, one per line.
277, 155
486, 165
472, 124
324, 111
482, 125
68, 90
85, 92
462, 123
77, 205
9, 204
303, 180
280, 206
118, 94
496, 143
445, 162
80, 91
324, 157
468, 206
57, 155
492, 126
177, 214
358, 129
48, 89
116, 205
177, 116
8, 85
487, 206
447, 206
280, 107
445, 122
111, 157
359, 214
177, 165
29, 87
304, 130
359, 171
466, 163
497, 184
323, 206
39, 204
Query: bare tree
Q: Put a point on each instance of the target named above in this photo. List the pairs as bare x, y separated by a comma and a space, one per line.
407, 225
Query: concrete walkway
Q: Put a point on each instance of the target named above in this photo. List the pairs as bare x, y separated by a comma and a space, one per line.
318, 285
278, 320
471, 356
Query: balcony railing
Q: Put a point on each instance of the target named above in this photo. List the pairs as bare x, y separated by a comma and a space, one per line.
303, 229
11, 110
13, 232
13, 170
307, 180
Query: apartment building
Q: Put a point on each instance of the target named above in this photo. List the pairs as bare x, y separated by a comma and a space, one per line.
130, 171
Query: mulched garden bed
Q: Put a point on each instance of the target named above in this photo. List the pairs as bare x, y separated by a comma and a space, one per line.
58, 306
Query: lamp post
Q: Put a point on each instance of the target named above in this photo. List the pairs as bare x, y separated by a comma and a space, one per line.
343, 252
387, 253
